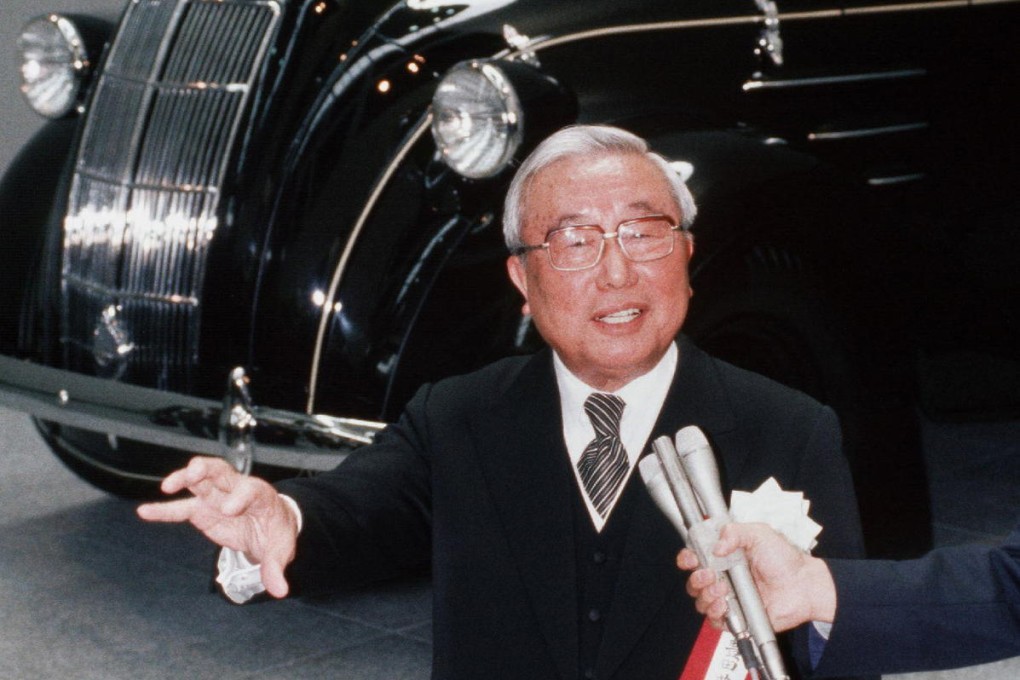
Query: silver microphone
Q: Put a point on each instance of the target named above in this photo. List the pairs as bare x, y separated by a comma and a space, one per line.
658, 488
679, 496
699, 464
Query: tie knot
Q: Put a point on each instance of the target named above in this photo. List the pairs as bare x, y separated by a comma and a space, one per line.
604, 411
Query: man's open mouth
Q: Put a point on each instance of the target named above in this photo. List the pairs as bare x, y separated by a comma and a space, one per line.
622, 316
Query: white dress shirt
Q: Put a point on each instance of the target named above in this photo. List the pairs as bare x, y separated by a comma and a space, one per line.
643, 398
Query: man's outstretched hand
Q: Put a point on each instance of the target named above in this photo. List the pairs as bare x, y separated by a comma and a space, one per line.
234, 511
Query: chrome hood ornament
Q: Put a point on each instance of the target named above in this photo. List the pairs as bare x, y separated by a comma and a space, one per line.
770, 42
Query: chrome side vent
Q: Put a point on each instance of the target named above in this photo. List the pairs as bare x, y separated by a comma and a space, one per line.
871, 123
147, 184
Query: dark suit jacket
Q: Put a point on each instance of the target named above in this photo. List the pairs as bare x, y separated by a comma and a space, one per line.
954, 607
475, 482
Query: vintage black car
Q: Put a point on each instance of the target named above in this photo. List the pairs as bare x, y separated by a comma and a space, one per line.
254, 227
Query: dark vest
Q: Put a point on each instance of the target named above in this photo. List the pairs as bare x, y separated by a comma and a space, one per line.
598, 566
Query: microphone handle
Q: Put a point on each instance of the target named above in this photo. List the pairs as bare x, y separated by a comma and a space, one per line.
703, 474
757, 620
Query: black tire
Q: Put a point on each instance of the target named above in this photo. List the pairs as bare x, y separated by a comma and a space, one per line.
779, 334
121, 467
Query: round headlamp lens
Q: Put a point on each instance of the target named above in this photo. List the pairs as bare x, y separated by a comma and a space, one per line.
477, 119
53, 63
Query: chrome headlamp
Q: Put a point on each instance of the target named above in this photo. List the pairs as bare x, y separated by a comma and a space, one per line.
477, 119
54, 65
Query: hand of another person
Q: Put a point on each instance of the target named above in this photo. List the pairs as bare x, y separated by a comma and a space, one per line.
234, 511
794, 586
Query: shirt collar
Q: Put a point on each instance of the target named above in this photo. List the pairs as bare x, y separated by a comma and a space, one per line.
644, 397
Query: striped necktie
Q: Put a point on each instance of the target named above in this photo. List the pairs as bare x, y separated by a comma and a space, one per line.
603, 465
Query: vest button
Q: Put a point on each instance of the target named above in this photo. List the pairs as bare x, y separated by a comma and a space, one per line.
589, 674
594, 615
599, 557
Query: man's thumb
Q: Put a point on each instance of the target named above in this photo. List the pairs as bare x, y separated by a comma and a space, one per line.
273, 579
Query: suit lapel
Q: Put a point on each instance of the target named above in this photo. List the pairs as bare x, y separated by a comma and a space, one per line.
528, 474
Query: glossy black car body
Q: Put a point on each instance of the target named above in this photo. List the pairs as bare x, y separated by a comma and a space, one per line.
253, 183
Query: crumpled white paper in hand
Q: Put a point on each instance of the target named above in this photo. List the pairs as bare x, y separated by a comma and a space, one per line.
784, 511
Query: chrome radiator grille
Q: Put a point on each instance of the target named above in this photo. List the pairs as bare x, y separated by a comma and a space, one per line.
147, 183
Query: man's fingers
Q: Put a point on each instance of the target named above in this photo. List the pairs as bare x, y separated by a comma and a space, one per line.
273, 579
715, 610
699, 580
741, 535
190, 477
170, 511
223, 476
731, 537
207, 476
175, 482
242, 497
687, 560
711, 599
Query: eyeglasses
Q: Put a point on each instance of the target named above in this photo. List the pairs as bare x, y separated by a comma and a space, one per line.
572, 249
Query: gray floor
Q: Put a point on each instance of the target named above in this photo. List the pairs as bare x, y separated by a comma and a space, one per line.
88, 591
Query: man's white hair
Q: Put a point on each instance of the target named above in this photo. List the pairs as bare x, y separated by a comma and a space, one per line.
586, 140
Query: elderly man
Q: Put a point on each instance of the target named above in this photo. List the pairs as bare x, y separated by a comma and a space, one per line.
515, 484
956, 606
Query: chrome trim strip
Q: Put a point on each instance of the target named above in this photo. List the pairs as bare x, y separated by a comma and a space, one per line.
202, 85
209, 189
907, 7
175, 420
895, 179
341, 267
865, 132
755, 85
809, 15
546, 42
111, 291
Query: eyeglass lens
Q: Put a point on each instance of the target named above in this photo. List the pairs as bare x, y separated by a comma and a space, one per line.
573, 248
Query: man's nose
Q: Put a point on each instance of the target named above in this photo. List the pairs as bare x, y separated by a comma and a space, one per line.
617, 267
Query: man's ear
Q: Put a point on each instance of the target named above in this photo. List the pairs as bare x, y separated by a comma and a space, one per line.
519, 276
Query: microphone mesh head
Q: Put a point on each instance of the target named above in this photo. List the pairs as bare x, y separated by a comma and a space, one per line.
689, 439
649, 468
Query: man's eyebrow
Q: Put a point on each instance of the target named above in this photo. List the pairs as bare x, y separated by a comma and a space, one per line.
642, 205
571, 220
579, 219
